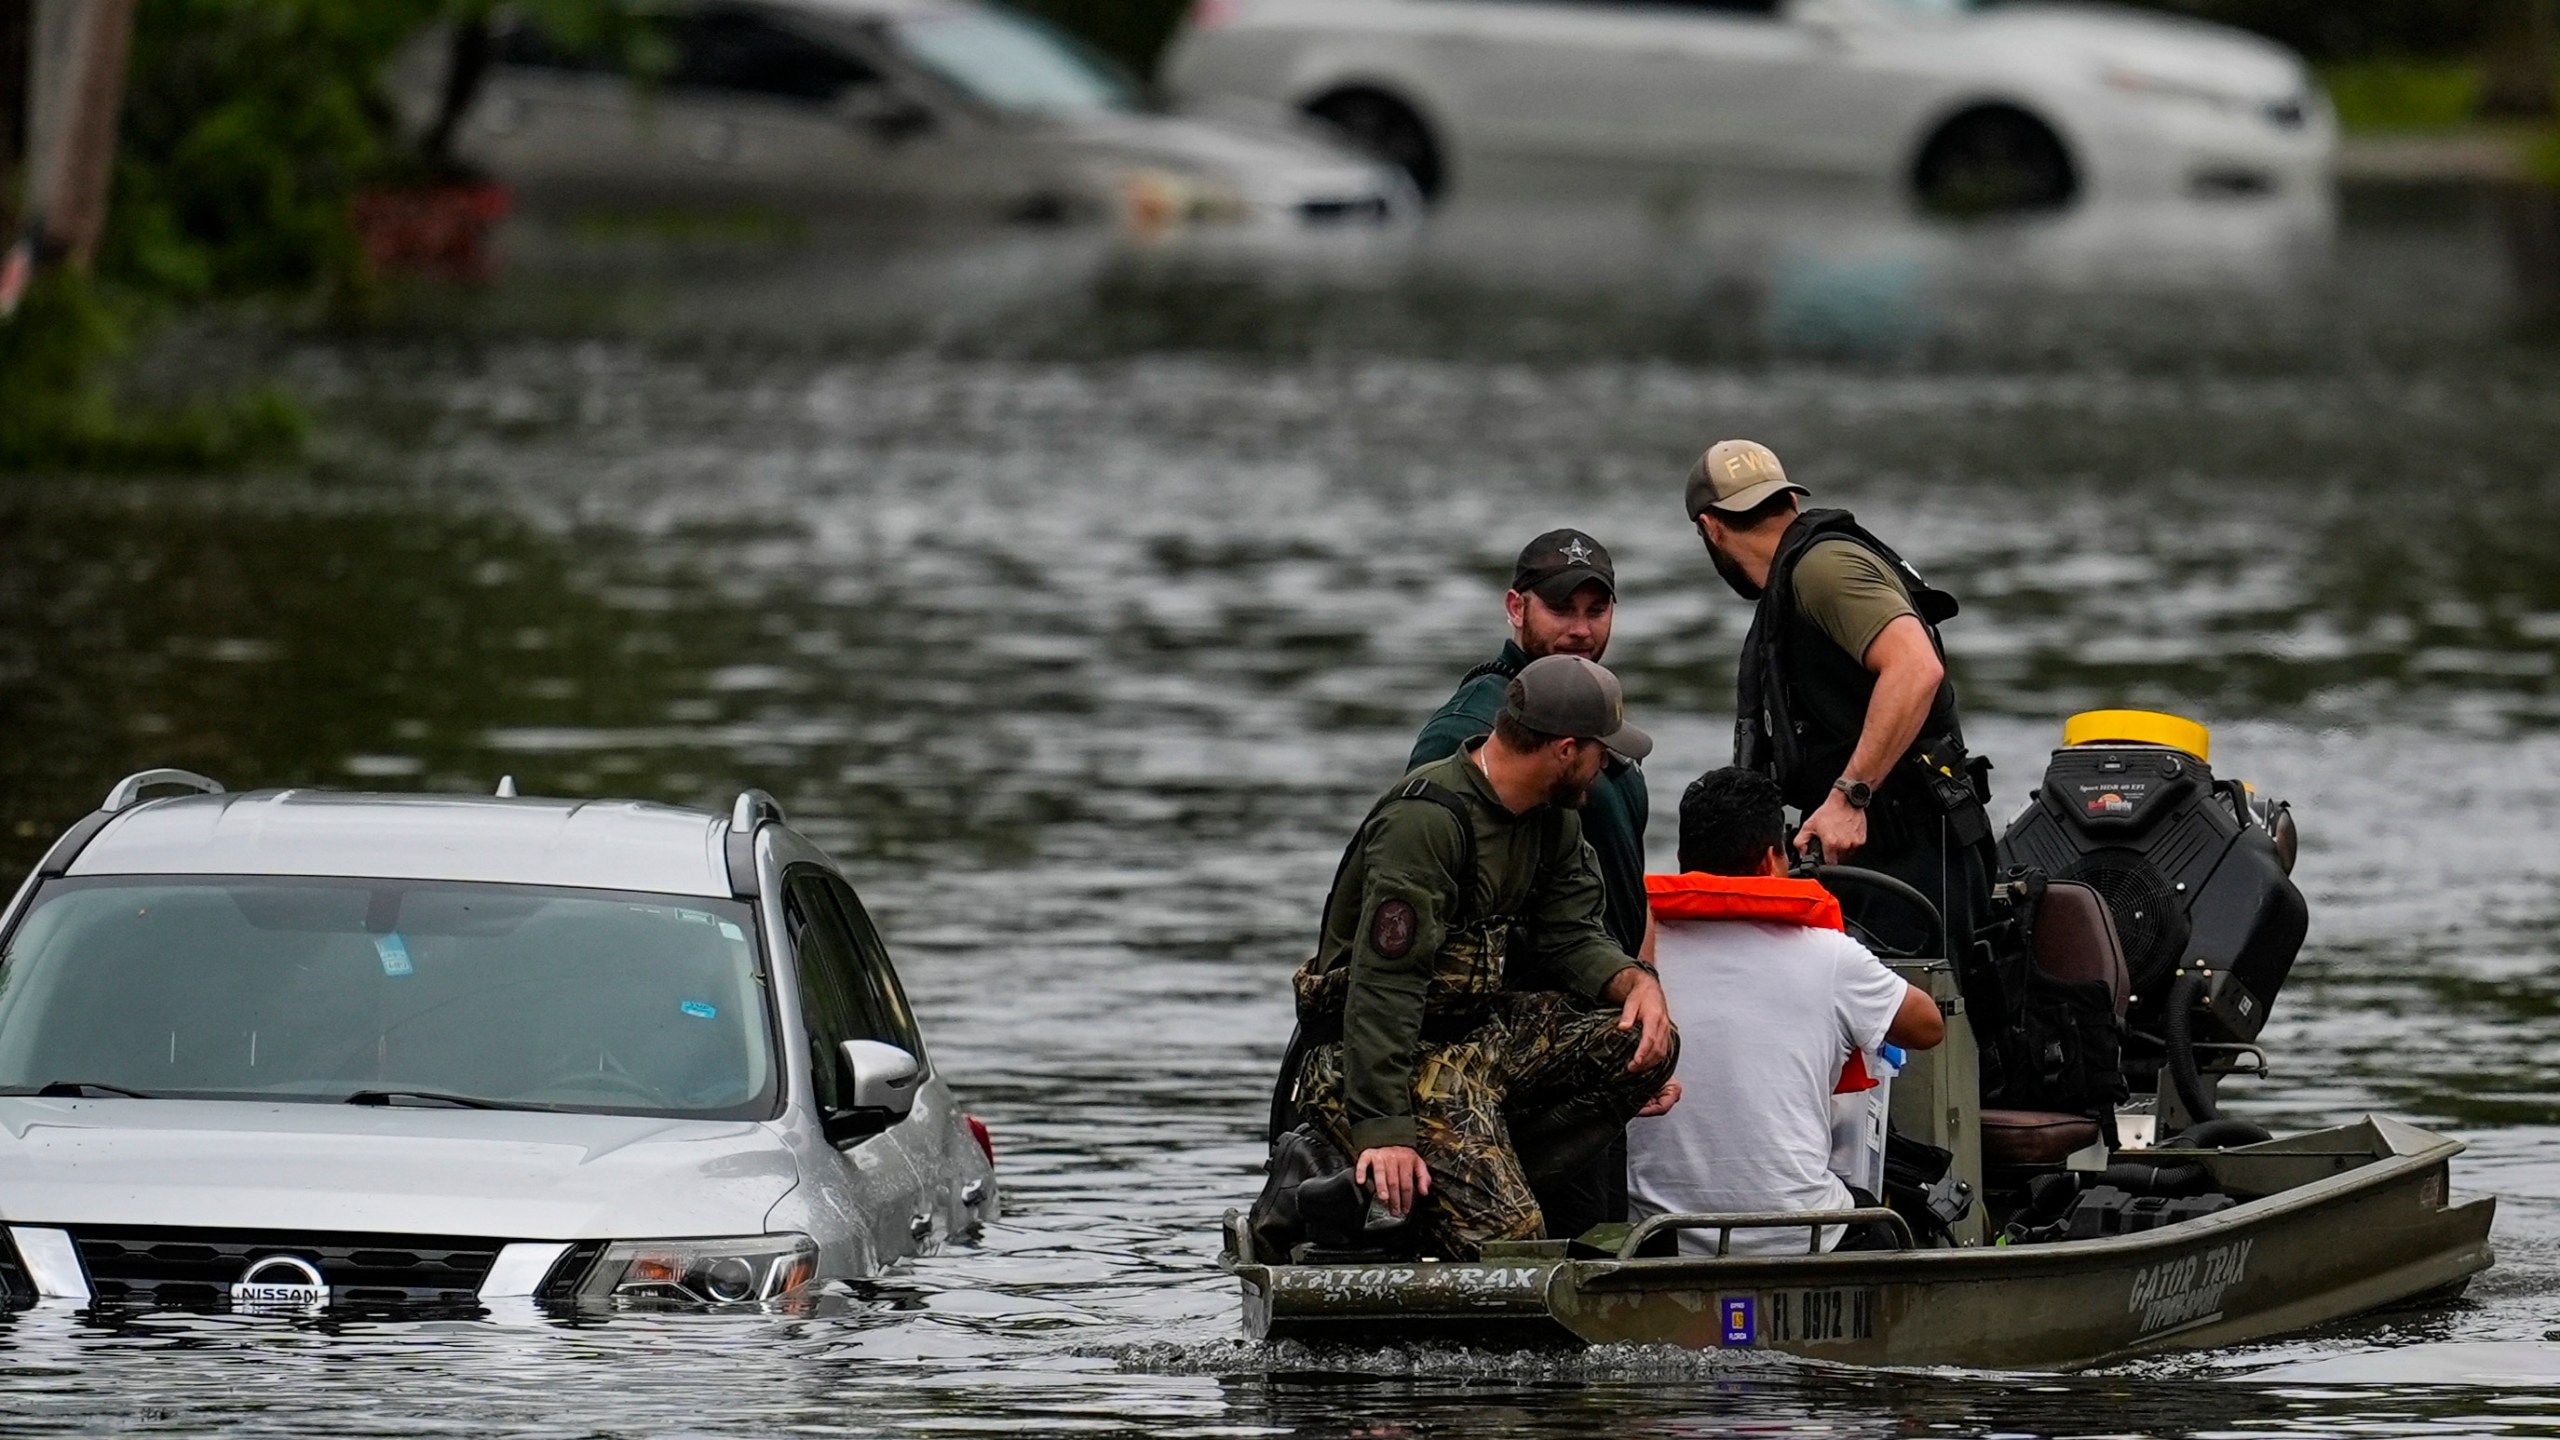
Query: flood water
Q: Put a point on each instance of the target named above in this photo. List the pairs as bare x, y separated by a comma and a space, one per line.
1079, 601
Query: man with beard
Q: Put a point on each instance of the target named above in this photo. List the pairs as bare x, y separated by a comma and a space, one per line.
1844, 699
1424, 1070
1562, 601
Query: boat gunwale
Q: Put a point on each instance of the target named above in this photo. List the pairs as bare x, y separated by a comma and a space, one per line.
2396, 1159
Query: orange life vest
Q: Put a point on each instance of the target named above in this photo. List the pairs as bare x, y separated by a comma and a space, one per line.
1771, 899
1776, 899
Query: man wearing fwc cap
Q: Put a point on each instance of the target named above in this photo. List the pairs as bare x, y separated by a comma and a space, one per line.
1843, 693
1424, 1068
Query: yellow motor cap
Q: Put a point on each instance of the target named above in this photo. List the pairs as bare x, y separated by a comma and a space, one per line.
2138, 727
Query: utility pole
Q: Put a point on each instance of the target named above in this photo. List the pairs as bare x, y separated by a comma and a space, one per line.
17, 40
74, 85
17, 67
80, 48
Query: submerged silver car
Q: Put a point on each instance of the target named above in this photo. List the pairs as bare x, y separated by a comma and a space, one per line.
869, 111
314, 1051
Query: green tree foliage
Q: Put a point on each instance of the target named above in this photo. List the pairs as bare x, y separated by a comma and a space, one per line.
248, 128
248, 125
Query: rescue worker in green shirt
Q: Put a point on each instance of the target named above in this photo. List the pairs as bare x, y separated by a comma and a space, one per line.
1423, 1067
1563, 600
1844, 700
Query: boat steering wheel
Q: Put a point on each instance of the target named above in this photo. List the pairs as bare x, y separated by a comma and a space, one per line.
1882, 913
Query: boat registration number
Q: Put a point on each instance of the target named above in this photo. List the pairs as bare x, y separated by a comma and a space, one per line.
1821, 1317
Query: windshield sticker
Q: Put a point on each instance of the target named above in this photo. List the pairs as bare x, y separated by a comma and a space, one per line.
395, 954
700, 1010
732, 931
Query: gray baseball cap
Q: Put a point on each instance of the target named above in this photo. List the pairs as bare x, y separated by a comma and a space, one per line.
1568, 695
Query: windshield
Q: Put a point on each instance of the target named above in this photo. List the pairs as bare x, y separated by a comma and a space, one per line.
391, 992
1011, 63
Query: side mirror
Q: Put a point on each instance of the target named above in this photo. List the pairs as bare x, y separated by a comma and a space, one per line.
887, 114
880, 1086
884, 1077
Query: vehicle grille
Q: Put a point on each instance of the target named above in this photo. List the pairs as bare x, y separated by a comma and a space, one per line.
560, 1287
194, 1269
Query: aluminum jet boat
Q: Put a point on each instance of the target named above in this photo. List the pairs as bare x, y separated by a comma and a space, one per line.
2053, 1240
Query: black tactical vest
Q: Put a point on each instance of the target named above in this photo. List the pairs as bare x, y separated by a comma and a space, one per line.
1803, 699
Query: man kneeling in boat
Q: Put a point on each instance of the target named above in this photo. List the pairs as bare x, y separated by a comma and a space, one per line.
1772, 997
1424, 1070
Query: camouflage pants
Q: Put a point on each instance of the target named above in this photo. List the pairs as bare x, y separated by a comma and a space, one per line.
1537, 1056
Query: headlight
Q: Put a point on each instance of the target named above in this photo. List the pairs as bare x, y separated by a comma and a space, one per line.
1157, 200
742, 1271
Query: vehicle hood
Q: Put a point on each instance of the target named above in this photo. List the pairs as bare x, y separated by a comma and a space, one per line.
1269, 163
292, 1166
2209, 57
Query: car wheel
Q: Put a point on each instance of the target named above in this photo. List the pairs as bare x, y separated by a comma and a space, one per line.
1995, 160
1387, 128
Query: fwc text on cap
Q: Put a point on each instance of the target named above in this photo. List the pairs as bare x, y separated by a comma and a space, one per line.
1736, 477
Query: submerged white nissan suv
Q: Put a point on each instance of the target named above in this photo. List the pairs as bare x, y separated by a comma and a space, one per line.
324, 1052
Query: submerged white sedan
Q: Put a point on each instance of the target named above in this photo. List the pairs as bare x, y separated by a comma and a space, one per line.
1971, 107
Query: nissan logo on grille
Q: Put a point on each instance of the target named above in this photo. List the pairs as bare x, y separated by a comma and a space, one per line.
280, 1282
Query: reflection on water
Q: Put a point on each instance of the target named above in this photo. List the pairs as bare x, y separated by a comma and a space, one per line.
1081, 618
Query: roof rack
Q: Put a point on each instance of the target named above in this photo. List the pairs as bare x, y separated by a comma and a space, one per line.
127, 794
128, 791
753, 808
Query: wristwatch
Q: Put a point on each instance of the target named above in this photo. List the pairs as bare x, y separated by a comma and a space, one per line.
1856, 792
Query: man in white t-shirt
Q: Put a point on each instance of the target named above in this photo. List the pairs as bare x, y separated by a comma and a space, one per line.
1771, 998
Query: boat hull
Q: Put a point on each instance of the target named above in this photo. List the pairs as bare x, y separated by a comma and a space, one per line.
2348, 1220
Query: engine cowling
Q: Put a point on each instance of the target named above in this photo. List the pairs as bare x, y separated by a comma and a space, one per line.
2195, 870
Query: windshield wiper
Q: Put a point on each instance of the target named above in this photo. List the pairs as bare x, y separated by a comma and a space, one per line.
75, 1090
432, 1097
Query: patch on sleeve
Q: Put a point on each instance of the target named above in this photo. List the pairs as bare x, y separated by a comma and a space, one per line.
1391, 929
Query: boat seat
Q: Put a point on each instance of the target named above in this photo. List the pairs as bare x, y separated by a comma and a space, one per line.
2076, 940
2033, 1139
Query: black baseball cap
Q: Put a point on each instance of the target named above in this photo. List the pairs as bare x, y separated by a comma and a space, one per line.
1560, 562
1570, 696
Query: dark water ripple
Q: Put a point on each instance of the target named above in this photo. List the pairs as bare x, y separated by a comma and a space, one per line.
1082, 655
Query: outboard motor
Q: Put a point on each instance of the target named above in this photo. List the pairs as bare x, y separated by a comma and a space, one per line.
2195, 871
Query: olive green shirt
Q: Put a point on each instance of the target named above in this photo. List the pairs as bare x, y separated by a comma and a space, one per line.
1410, 852
1849, 593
